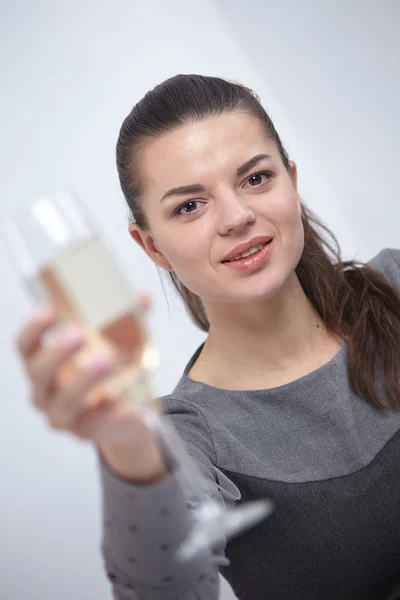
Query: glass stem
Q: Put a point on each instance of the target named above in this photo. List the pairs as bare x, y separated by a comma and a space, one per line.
173, 450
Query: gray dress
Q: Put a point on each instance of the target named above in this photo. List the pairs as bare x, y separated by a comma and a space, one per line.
328, 460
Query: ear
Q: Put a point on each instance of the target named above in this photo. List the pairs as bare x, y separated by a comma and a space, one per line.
293, 173
146, 242
293, 177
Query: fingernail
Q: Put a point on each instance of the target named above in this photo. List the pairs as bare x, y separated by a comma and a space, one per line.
100, 364
43, 314
72, 338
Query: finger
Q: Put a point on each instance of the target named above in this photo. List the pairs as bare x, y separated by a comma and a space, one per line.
28, 340
70, 401
43, 367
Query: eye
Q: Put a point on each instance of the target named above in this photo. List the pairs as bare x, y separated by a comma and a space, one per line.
257, 179
178, 211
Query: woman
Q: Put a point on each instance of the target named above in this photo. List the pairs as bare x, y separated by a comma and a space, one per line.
293, 394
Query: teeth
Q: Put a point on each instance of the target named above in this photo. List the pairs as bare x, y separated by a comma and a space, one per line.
248, 253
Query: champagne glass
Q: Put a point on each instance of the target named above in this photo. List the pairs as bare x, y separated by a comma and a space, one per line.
63, 260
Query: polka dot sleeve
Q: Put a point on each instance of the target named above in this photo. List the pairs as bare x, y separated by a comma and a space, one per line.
143, 526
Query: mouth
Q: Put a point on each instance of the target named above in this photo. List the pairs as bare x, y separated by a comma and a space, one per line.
251, 255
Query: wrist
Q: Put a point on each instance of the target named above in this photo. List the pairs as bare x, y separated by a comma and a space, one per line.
140, 464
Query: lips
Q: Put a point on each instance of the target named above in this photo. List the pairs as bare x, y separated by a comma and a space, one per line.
245, 246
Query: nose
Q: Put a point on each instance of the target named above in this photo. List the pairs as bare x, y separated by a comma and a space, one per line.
234, 213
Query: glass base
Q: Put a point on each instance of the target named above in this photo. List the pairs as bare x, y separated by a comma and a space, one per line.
217, 524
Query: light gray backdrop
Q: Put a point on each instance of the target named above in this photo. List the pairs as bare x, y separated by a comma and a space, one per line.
70, 72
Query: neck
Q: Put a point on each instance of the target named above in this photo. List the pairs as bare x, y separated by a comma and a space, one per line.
276, 335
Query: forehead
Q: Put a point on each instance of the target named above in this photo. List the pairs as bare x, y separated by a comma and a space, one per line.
203, 148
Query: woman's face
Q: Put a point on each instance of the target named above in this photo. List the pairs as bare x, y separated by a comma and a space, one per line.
192, 231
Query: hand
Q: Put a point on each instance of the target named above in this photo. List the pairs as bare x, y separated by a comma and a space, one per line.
125, 442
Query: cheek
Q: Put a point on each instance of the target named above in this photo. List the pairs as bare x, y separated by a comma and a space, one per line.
292, 228
186, 247
293, 233
285, 215
283, 211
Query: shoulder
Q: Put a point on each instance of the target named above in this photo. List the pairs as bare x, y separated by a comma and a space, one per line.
175, 403
387, 261
191, 422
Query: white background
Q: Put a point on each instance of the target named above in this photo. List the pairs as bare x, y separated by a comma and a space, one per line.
70, 72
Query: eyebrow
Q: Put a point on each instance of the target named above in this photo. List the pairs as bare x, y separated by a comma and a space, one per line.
197, 188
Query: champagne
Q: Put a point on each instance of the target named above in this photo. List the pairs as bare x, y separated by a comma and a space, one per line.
63, 261
87, 289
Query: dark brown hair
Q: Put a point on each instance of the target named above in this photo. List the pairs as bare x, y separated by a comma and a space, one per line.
354, 301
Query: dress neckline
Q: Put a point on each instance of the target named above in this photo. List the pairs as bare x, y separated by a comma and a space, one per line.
290, 386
